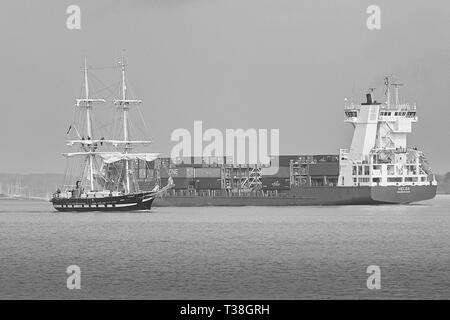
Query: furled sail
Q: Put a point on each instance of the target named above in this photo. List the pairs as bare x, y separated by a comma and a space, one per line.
114, 157
85, 153
101, 141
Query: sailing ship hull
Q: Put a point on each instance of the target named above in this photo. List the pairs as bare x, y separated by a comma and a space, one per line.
311, 196
131, 202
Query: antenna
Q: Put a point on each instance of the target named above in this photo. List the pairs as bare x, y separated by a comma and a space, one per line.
388, 90
396, 85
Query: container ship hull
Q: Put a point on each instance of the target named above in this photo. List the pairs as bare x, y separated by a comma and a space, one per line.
310, 196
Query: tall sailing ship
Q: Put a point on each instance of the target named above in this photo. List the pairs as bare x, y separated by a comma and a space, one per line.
112, 185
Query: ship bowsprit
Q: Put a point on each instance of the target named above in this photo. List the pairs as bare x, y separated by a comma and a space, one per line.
129, 202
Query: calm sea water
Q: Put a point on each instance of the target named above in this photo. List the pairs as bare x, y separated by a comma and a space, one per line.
226, 253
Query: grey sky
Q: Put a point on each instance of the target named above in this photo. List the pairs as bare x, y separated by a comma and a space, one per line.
283, 64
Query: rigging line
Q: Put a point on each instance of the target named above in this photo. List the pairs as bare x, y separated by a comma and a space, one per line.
95, 92
81, 88
101, 130
146, 131
114, 91
93, 74
105, 67
147, 128
104, 85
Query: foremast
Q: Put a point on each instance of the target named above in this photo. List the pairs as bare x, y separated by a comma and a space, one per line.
86, 103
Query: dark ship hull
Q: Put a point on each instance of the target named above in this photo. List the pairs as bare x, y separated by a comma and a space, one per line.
310, 196
130, 202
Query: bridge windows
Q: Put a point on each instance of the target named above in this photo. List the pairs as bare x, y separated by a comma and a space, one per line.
411, 169
390, 170
366, 170
395, 179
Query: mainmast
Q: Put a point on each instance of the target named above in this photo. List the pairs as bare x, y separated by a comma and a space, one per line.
88, 124
125, 105
87, 103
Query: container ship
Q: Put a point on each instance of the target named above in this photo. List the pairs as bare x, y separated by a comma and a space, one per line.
378, 168
114, 174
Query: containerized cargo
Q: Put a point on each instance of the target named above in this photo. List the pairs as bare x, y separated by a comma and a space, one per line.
147, 185
326, 158
216, 161
207, 172
181, 172
198, 162
301, 169
207, 183
181, 162
145, 173
150, 173
149, 164
280, 172
180, 183
282, 160
236, 172
324, 169
275, 183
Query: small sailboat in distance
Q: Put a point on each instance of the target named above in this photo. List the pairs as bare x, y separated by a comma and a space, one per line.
105, 189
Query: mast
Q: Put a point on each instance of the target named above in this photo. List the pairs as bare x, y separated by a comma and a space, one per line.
388, 91
87, 103
125, 103
397, 99
125, 124
88, 124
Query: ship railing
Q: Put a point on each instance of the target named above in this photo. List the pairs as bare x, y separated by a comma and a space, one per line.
343, 154
225, 193
351, 106
401, 107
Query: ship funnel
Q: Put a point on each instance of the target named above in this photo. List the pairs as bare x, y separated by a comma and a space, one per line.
369, 98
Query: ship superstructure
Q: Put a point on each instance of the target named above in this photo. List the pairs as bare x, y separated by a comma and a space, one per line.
379, 154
